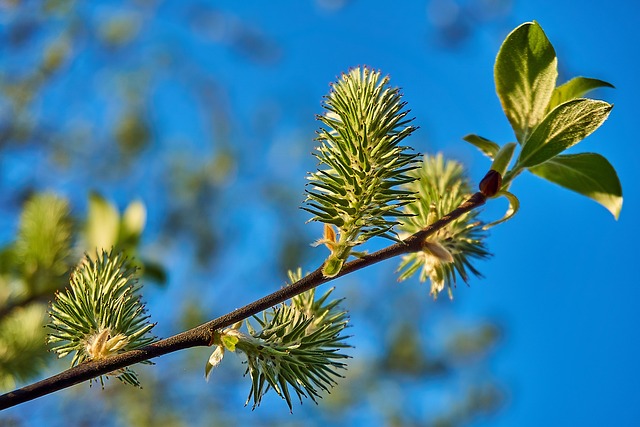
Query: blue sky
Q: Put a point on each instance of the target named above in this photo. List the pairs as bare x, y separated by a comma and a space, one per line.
562, 281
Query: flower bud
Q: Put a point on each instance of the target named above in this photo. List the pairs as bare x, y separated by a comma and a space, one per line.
332, 265
491, 183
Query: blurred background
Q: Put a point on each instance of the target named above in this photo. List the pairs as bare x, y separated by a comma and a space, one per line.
203, 113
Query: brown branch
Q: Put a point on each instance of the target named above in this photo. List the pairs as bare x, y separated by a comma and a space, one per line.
202, 335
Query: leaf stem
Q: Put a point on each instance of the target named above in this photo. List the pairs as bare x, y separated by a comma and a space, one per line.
510, 176
204, 334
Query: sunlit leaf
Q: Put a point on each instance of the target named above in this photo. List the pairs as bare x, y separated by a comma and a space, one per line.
487, 147
589, 174
229, 342
22, 355
514, 207
133, 221
103, 223
525, 74
563, 127
574, 88
43, 246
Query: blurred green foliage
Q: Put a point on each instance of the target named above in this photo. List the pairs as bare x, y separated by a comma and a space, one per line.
83, 104
48, 245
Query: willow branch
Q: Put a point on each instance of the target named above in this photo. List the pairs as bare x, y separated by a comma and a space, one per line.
203, 335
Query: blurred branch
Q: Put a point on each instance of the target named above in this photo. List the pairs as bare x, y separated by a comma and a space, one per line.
8, 308
203, 335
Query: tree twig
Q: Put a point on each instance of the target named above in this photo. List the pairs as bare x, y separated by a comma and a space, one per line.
202, 335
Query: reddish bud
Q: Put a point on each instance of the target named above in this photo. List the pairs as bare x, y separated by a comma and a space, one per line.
491, 183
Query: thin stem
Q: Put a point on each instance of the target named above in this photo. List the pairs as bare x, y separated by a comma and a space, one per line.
510, 176
203, 335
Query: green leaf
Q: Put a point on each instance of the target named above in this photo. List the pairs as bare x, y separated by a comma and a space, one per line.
229, 342
133, 221
514, 207
588, 174
488, 148
563, 127
43, 245
154, 271
503, 158
574, 88
21, 335
103, 223
525, 73
333, 265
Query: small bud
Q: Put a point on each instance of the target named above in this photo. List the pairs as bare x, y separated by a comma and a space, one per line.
329, 238
491, 183
329, 235
437, 250
332, 266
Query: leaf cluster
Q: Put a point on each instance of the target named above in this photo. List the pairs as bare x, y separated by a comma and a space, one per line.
21, 349
31, 268
548, 119
107, 229
43, 246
